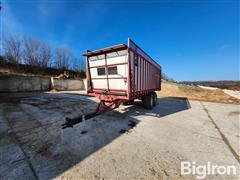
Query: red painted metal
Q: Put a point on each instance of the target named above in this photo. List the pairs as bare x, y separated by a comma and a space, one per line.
105, 50
144, 75
111, 89
129, 75
106, 97
104, 106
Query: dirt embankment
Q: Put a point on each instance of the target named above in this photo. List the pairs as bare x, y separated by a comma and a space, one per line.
231, 85
7, 68
195, 93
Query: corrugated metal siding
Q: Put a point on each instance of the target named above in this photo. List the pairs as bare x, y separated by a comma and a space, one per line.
145, 72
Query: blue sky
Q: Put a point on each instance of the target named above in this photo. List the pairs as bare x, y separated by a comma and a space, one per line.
191, 40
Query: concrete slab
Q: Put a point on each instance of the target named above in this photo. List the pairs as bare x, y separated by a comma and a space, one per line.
109, 146
228, 122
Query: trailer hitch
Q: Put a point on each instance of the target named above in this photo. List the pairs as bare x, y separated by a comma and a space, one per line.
72, 121
102, 107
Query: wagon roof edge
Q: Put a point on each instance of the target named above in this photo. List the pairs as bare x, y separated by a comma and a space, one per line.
105, 50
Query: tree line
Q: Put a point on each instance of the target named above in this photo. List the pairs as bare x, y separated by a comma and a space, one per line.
167, 78
35, 52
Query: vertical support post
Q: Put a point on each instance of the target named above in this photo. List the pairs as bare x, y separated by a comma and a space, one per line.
88, 74
140, 66
129, 74
105, 56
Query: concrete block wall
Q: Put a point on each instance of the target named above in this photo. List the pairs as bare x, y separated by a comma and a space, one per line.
67, 84
14, 83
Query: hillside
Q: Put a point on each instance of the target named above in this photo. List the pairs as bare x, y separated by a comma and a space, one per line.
195, 93
231, 85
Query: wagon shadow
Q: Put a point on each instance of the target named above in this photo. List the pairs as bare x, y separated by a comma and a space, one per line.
52, 151
166, 106
72, 146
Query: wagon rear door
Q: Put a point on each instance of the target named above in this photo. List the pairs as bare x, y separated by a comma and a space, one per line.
109, 71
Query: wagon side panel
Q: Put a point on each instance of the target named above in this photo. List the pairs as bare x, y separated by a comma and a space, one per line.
145, 73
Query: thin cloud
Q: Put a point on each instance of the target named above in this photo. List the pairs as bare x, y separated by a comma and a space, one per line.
9, 23
225, 46
46, 12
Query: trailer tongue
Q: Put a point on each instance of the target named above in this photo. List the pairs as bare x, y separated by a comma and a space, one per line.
101, 108
120, 74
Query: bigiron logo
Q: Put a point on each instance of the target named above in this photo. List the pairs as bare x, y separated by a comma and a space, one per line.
201, 171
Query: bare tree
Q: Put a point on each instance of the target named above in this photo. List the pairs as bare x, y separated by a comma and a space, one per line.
30, 52
12, 49
62, 57
83, 65
166, 78
36, 52
45, 55
1, 58
78, 64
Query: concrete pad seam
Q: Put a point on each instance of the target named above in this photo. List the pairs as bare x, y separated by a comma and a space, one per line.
16, 140
224, 138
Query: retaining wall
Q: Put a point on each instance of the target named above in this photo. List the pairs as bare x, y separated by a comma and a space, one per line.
67, 84
14, 83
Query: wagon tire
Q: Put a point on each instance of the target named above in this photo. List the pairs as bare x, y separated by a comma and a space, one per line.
131, 102
154, 99
148, 101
